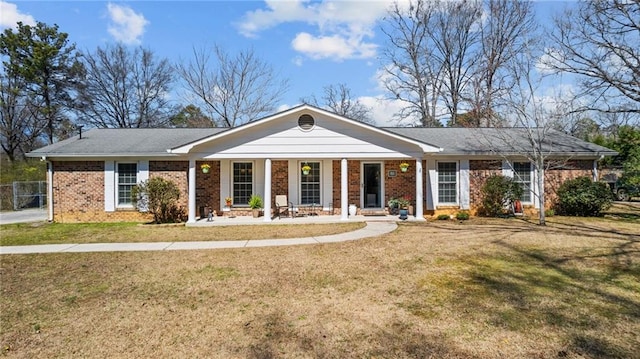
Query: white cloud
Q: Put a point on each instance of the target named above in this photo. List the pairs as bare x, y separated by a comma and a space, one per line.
127, 26
333, 47
10, 15
341, 27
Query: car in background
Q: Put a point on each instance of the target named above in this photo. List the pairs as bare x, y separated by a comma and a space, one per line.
627, 187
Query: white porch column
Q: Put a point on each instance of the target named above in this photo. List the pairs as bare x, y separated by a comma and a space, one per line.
419, 213
192, 191
50, 191
344, 190
267, 190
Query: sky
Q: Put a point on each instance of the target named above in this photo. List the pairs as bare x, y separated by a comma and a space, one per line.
312, 43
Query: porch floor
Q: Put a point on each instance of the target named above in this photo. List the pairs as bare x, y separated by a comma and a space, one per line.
249, 220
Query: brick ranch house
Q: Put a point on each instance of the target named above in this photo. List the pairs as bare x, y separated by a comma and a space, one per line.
91, 175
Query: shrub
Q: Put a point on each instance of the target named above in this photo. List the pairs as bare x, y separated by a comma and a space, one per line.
497, 193
583, 197
159, 197
462, 216
550, 212
255, 201
443, 217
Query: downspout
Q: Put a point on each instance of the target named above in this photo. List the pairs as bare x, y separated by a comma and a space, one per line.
595, 168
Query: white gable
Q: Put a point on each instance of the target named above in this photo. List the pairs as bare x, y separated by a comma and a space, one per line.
331, 137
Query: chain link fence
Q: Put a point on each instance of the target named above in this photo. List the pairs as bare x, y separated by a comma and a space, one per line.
22, 195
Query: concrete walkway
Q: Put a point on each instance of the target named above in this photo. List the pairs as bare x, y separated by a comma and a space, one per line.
23, 216
372, 229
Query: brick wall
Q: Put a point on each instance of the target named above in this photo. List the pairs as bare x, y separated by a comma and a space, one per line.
403, 184
177, 172
78, 194
479, 172
558, 173
279, 179
207, 187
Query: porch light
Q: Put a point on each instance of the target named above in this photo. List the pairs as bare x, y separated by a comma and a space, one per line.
404, 166
305, 169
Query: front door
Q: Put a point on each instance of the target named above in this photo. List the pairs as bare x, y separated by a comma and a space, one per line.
372, 186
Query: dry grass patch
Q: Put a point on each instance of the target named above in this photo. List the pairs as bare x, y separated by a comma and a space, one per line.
52, 233
503, 288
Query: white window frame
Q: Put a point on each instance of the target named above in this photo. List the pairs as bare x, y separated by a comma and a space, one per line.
437, 189
301, 176
117, 183
531, 180
232, 182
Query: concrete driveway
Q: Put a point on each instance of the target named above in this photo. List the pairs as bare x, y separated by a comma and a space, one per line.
24, 216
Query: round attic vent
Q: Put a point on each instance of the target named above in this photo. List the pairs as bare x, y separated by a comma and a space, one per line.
306, 122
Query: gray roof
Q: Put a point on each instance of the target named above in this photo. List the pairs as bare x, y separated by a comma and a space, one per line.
490, 141
453, 141
125, 142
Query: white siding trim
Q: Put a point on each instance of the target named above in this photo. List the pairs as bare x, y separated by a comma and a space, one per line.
143, 170
327, 184
432, 185
225, 181
109, 186
464, 186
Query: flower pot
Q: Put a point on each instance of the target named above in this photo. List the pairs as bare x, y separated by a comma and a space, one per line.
353, 209
404, 214
228, 204
404, 169
305, 172
255, 212
205, 170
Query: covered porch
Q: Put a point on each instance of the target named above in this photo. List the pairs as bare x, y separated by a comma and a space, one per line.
326, 191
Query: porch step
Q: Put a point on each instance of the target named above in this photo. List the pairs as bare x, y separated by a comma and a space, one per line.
373, 212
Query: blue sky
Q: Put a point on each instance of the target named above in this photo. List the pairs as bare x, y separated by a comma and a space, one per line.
313, 44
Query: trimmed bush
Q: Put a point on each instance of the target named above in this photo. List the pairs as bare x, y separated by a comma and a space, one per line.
583, 197
497, 193
159, 197
443, 217
462, 216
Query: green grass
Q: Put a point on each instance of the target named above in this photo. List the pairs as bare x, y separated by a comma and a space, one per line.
57, 233
54, 233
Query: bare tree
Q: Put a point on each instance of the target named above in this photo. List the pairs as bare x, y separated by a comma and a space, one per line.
412, 75
455, 36
598, 41
20, 126
125, 89
234, 89
504, 33
338, 99
535, 118
431, 56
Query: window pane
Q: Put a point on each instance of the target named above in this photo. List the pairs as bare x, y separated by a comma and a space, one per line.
127, 178
447, 182
310, 184
242, 182
522, 176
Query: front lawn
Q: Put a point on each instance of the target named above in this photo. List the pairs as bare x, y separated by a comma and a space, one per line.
442, 289
55, 233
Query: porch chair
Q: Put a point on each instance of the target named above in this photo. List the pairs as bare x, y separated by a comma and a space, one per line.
283, 205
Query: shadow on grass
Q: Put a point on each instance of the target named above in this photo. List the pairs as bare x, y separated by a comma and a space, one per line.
273, 335
534, 288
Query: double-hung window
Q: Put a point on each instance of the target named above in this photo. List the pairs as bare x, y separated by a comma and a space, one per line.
242, 182
447, 182
522, 176
310, 184
127, 178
